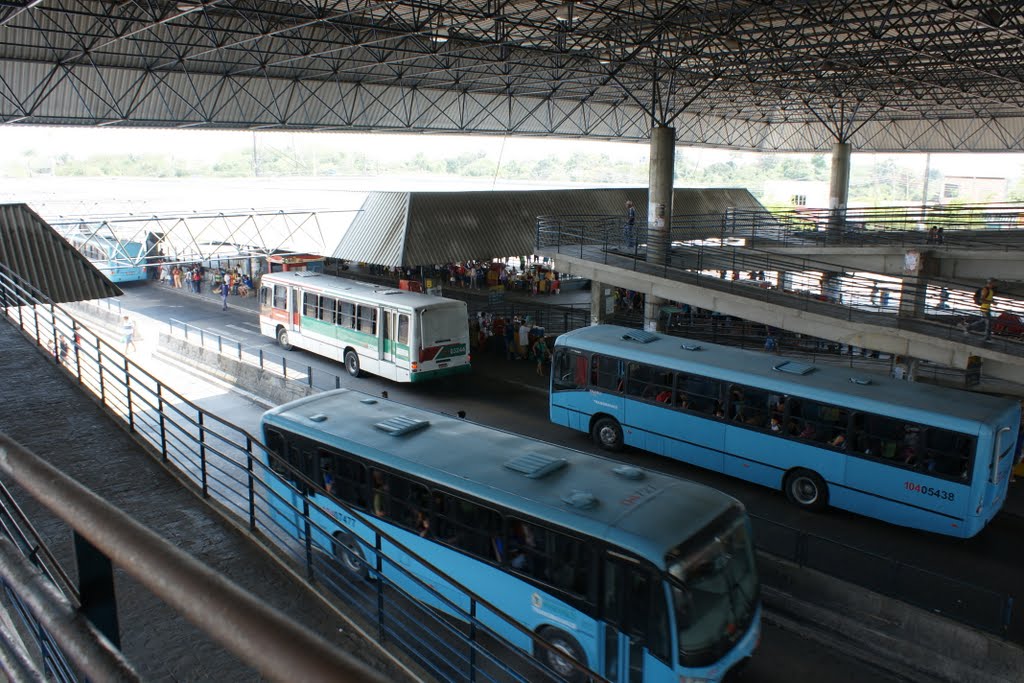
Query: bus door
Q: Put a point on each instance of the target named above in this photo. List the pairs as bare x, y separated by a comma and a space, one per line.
294, 307
396, 339
635, 619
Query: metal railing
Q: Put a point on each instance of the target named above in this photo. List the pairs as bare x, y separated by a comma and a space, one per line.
225, 465
934, 306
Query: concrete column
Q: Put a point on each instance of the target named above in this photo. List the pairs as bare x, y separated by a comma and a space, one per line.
917, 266
659, 197
839, 189
602, 303
659, 211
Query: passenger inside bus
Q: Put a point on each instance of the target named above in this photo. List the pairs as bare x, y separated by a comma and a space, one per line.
380, 488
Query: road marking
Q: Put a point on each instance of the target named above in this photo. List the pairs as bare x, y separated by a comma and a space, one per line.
243, 327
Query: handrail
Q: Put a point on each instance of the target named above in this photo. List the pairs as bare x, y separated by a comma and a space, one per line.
278, 647
88, 649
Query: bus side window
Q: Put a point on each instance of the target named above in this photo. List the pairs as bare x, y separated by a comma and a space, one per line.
468, 526
403, 328
379, 499
276, 452
265, 296
348, 478
569, 564
326, 311
569, 370
367, 319
346, 314
947, 453
310, 304
607, 373
409, 502
280, 297
639, 382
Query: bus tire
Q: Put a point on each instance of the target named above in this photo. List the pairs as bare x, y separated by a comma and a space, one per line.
352, 363
347, 551
561, 644
806, 489
607, 433
282, 339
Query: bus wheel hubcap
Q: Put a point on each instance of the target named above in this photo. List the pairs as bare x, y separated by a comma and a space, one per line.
559, 663
805, 491
608, 436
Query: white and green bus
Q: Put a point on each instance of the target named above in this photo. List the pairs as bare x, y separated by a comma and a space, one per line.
396, 334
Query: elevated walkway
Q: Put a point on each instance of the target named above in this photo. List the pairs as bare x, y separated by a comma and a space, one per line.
923, 319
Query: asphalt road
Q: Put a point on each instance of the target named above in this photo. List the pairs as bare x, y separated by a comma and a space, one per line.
991, 559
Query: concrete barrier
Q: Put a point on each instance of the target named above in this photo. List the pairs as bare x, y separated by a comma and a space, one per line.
269, 386
893, 635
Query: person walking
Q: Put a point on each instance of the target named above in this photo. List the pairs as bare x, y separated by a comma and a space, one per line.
128, 333
225, 290
983, 298
629, 229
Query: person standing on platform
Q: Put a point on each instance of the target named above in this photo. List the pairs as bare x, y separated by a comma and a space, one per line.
225, 290
629, 229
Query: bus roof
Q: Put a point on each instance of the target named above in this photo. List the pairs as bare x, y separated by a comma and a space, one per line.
842, 386
331, 285
641, 510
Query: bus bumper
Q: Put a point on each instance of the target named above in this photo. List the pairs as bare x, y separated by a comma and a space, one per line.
437, 374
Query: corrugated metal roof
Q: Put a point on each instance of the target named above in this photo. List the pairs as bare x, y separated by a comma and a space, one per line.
411, 229
33, 251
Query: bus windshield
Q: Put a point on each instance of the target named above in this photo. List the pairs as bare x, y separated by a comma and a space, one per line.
442, 325
714, 592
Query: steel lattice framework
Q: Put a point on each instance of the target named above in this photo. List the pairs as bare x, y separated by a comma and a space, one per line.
882, 75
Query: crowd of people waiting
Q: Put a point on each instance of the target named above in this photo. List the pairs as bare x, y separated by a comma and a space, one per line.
193, 277
514, 337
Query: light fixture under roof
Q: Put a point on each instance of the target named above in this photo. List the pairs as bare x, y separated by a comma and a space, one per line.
564, 12
440, 34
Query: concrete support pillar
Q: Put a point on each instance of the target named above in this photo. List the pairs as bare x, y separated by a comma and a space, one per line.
659, 211
917, 266
659, 197
839, 189
602, 303
652, 312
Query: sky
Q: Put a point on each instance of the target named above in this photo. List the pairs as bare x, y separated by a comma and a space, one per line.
201, 145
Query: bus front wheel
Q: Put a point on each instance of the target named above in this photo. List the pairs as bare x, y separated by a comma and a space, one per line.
806, 489
557, 656
607, 433
347, 551
352, 363
282, 339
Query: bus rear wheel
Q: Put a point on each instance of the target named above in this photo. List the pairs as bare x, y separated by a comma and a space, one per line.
607, 433
352, 363
282, 339
346, 549
806, 489
557, 656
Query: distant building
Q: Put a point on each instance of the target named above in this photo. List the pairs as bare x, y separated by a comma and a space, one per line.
973, 189
796, 194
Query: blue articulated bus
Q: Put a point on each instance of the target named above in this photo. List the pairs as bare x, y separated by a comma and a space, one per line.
637, 575
912, 454
119, 261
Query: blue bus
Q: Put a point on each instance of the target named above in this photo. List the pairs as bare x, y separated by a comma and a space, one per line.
916, 455
636, 575
120, 261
